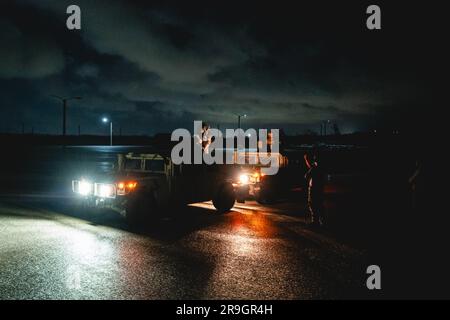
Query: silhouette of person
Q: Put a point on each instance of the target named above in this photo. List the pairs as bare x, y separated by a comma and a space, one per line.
206, 137
316, 183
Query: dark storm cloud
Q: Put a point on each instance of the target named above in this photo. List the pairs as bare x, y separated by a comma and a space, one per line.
160, 65
27, 56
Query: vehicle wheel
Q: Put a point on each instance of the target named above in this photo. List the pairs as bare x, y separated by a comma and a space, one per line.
264, 197
225, 198
139, 209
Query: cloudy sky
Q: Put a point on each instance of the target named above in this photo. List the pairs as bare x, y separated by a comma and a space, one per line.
159, 66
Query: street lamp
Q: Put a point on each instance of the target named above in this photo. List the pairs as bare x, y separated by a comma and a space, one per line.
324, 125
239, 119
64, 101
106, 120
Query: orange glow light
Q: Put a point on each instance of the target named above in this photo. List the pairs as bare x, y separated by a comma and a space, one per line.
132, 185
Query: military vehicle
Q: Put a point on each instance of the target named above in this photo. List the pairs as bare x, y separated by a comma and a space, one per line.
150, 185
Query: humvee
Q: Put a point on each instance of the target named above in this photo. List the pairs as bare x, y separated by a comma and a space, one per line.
150, 184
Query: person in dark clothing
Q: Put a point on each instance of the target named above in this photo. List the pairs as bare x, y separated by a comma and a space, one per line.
316, 183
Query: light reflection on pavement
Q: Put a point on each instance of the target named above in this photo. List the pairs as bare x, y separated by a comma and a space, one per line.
246, 254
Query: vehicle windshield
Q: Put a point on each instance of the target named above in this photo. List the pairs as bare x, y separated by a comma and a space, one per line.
133, 164
154, 165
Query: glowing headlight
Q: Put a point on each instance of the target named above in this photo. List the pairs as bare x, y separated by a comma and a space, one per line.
105, 190
85, 188
244, 179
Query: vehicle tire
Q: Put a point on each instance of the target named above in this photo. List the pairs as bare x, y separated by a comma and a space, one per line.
264, 196
225, 198
139, 209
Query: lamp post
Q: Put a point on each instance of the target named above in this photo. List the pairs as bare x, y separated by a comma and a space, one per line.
106, 120
239, 119
324, 127
64, 113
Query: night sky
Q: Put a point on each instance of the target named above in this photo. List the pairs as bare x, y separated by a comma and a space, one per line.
156, 67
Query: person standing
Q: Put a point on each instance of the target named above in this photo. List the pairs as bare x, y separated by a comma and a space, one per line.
315, 181
203, 138
206, 137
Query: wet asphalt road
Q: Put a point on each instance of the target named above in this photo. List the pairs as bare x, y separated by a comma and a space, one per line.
52, 250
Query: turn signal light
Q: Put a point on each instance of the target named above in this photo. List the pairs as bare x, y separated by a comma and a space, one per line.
132, 185
126, 187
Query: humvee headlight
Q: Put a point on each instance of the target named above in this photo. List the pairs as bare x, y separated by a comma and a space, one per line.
103, 190
248, 178
244, 179
85, 188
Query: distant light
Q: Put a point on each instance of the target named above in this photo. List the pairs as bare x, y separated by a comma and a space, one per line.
105, 120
